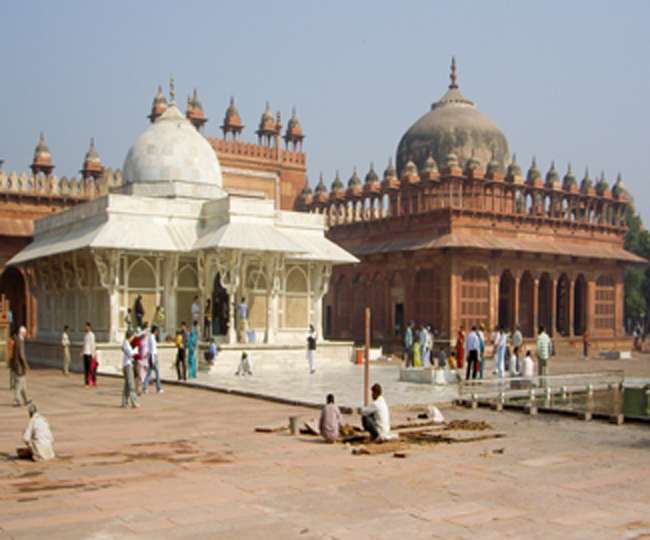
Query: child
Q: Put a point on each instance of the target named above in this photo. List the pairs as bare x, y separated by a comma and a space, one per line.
181, 366
529, 367
211, 353
452, 360
245, 365
442, 358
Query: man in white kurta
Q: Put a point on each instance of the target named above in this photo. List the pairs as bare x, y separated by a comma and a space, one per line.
375, 418
38, 436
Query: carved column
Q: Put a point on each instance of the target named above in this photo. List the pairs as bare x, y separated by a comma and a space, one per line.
535, 306
170, 284
572, 291
108, 264
229, 267
321, 274
516, 301
553, 328
274, 271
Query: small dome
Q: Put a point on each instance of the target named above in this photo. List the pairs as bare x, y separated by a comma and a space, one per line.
267, 122
569, 179
430, 165
306, 190
194, 111
337, 185
321, 187
42, 162
618, 188
494, 167
390, 173
159, 105
602, 185
371, 176
453, 125
514, 170
172, 150
92, 164
533, 172
586, 184
472, 164
451, 160
354, 180
552, 177
294, 129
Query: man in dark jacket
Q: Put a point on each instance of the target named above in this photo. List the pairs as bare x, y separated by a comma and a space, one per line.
138, 308
19, 367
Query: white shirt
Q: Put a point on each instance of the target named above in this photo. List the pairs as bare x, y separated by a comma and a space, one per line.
153, 348
529, 368
379, 409
496, 336
89, 343
503, 339
65, 339
473, 342
196, 311
128, 352
39, 438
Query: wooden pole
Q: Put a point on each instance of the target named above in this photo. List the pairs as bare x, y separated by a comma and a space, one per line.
366, 363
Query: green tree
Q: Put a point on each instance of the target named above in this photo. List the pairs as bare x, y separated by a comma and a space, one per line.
637, 278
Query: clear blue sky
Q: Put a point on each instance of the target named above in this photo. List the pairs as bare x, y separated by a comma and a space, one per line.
568, 81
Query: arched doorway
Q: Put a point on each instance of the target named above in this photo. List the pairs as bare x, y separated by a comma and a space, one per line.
545, 315
562, 302
579, 305
397, 299
507, 300
219, 308
12, 285
526, 305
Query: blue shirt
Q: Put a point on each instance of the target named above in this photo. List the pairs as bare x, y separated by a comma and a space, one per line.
242, 309
473, 342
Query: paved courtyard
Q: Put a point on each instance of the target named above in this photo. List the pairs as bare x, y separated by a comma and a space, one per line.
187, 464
294, 383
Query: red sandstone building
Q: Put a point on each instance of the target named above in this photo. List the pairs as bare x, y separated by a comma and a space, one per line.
267, 169
455, 237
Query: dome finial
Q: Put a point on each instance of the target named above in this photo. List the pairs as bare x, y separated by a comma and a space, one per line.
452, 74
172, 91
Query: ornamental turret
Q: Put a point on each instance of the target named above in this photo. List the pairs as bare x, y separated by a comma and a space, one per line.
494, 170
390, 177
473, 168
293, 135
306, 195
410, 173
194, 111
533, 176
569, 182
619, 191
42, 162
321, 190
452, 167
602, 187
158, 106
354, 184
267, 129
429, 170
586, 185
338, 189
232, 121
92, 166
553, 178
371, 182
514, 174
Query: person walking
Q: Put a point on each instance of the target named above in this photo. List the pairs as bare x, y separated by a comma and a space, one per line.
501, 345
181, 364
142, 365
408, 345
311, 349
460, 347
65, 346
159, 322
128, 390
192, 342
128, 320
543, 346
153, 366
19, 367
138, 308
481, 335
88, 351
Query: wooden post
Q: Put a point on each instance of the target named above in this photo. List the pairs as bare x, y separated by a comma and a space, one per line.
366, 363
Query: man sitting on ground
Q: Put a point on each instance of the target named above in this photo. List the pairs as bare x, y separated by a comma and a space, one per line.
330, 420
38, 437
376, 418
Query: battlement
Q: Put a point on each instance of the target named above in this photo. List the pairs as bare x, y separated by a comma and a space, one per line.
239, 149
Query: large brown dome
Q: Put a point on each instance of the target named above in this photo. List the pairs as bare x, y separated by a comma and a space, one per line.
453, 125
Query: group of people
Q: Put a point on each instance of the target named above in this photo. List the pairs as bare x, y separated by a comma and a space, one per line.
139, 363
187, 342
418, 345
507, 349
375, 418
38, 438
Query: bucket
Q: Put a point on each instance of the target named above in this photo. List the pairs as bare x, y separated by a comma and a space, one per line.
358, 356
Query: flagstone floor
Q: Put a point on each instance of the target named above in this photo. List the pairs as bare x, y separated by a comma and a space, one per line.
187, 464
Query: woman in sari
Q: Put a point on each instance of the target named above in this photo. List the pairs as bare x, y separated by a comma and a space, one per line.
192, 343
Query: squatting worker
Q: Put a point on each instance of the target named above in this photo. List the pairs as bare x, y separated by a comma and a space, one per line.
330, 420
37, 437
375, 418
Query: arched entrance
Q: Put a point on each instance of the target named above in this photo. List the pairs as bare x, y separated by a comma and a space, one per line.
219, 308
545, 315
12, 285
526, 305
562, 302
378, 306
507, 300
579, 305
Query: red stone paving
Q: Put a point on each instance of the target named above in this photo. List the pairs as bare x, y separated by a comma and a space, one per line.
187, 464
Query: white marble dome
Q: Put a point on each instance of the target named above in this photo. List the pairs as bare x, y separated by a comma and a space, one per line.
172, 150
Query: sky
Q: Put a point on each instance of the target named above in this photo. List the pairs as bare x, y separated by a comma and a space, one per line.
565, 81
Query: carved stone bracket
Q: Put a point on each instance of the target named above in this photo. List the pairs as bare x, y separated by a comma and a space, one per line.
108, 264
